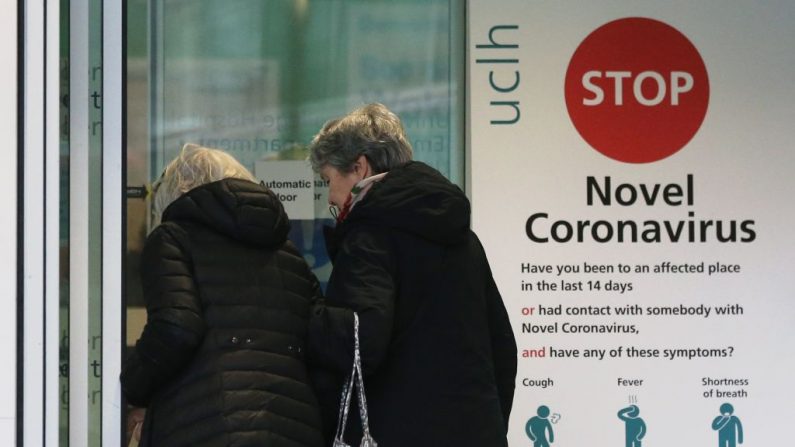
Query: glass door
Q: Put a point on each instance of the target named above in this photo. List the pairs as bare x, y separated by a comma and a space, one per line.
258, 78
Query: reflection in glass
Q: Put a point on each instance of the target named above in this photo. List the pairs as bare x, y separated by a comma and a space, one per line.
259, 78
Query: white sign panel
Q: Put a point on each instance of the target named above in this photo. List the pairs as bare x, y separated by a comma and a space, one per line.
631, 178
293, 182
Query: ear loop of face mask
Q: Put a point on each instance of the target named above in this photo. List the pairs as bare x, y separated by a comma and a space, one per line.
334, 210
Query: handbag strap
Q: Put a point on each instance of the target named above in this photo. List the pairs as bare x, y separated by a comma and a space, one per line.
345, 405
355, 380
367, 440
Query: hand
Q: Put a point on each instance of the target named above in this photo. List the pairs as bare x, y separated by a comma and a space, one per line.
135, 420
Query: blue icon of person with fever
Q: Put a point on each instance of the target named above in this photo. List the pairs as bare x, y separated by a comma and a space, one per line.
538, 426
635, 427
730, 430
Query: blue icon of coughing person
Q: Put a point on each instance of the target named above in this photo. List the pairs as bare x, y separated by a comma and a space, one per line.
728, 426
538, 426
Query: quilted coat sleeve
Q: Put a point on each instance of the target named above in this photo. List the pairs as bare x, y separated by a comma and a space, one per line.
362, 281
174, 325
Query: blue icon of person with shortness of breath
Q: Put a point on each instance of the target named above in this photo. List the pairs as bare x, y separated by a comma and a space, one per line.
635, 427
538, 426
730, 430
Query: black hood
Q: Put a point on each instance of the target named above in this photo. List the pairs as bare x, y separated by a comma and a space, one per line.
245, 211
418, 199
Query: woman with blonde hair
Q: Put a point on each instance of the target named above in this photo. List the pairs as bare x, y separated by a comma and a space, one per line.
221, 358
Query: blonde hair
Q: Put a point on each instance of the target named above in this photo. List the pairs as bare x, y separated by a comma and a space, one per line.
194, 166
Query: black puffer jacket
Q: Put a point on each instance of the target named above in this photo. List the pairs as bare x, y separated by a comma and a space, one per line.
437, 347
221, 359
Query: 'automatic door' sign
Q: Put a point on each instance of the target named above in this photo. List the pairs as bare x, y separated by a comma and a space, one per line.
637, 90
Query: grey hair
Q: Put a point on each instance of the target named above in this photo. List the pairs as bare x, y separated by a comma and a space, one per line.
194, 166
372, 130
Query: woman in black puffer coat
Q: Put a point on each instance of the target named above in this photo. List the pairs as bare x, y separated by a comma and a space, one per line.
437, 347
221, 359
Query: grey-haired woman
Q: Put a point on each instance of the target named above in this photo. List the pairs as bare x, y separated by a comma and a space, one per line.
437, 347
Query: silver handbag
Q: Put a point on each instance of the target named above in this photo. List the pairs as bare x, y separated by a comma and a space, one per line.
355, 380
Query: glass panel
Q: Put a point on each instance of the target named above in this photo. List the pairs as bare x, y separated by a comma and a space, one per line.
137, 155
95, 224
80, 215
137, 165
63, 346
259, 78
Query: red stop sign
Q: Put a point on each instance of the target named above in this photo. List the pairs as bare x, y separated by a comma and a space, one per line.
637, 90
